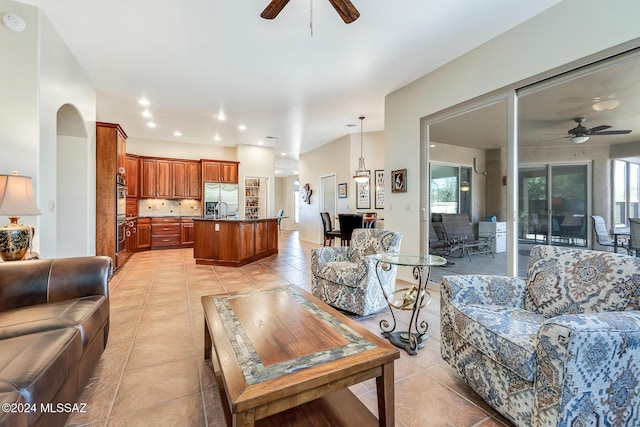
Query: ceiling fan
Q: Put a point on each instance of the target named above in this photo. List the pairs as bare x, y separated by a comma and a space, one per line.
345, 9
581, 133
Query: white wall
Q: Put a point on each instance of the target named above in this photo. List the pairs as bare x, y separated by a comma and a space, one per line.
256, 161
179, 150
38, 76
284, 200
538, 45
19, 134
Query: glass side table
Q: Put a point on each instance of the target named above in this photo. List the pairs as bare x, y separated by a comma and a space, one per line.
411, 299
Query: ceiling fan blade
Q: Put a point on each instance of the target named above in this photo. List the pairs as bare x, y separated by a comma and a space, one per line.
346, 10
273, 9
612, 132
598, 128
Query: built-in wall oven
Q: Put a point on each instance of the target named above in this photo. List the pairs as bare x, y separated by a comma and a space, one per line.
121, 208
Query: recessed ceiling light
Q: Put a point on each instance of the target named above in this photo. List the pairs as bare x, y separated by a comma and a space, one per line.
144, 101
146, 113
432, 146
242, 127
177, 133
217, 137
607, 105
221, 116
283, 154
14, 22
151, 124
260, 142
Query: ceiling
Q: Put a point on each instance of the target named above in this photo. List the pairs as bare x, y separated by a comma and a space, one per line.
194, 59
545, 116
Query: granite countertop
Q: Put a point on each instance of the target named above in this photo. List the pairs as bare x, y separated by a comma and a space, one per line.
241, 219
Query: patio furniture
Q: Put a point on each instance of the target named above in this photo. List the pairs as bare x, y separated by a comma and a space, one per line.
329, 233
345, 277
559, 348
437, 245
634, 240
602, 235
461, 236
348, 223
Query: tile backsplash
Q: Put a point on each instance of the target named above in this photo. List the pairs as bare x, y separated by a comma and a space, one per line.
165, 207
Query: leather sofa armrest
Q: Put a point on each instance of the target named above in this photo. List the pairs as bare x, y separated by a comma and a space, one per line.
79, 277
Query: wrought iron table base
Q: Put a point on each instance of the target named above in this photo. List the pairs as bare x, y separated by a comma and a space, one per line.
414, 298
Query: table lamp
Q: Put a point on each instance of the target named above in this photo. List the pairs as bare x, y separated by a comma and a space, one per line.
16, 200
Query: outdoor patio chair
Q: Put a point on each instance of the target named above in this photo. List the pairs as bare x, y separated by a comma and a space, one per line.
602, 235
460, 235
634, 240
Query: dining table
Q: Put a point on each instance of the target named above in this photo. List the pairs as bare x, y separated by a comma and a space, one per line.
617, 234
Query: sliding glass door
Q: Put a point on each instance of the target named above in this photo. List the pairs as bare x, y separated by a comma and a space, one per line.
553, 205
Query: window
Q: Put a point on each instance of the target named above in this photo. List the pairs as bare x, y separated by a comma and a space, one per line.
626, 192
450, 189
296, 201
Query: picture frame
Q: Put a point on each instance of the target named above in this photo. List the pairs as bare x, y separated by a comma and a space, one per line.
399, 181
379, 189
363, 195
342, 190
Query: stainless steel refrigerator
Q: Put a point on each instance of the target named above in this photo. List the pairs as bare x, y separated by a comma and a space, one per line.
214, 194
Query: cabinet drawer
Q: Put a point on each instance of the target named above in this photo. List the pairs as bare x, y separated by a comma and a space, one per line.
168, 240
164, 229
165, 220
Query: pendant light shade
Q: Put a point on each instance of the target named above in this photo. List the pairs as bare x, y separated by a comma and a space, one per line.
362, 174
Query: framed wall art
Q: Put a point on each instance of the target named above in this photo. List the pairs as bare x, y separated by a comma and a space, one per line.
379, 186
363, 195
399, 181
342, 190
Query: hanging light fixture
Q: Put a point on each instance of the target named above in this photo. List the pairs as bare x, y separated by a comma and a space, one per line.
362, 174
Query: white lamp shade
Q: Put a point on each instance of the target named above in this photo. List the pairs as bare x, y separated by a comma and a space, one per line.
16, 196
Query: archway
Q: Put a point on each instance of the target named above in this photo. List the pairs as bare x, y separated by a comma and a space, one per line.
72, 184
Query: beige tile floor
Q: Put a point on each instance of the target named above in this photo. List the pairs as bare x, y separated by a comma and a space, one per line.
153, 373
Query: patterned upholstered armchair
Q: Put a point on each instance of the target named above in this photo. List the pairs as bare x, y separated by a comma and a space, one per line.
345, 277
561, 348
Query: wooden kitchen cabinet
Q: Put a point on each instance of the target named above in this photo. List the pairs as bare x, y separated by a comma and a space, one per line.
110, 157
219, 171
165, 232
131, 175
186, 231
164, 179
156, 178
187, 183
143, 233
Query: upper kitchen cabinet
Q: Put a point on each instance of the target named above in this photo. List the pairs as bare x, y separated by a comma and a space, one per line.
147, 178
164, 179
156, 178
187, 183
219, 171
131, 175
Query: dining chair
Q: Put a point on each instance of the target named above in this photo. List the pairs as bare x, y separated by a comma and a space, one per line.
348, 223
602, 235
280, 214
329, 233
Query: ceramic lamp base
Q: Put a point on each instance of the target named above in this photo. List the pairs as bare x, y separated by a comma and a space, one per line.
14, 241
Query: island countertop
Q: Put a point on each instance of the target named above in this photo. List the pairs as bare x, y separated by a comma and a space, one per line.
234, 242
231, 219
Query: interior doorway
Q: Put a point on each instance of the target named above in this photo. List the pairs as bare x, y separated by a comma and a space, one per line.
71, 204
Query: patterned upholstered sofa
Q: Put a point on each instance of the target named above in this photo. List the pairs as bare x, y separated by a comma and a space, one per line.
345, 277
561, 348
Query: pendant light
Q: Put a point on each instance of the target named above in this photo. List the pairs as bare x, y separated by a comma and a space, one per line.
362, 174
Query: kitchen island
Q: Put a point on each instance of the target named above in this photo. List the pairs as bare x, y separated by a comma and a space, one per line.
234, 242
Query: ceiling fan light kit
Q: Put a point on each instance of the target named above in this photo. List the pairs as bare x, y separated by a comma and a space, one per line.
579, 139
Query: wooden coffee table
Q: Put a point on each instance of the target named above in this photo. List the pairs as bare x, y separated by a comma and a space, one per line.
283, 357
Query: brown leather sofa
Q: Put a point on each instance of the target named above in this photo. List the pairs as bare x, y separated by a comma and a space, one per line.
54, 324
